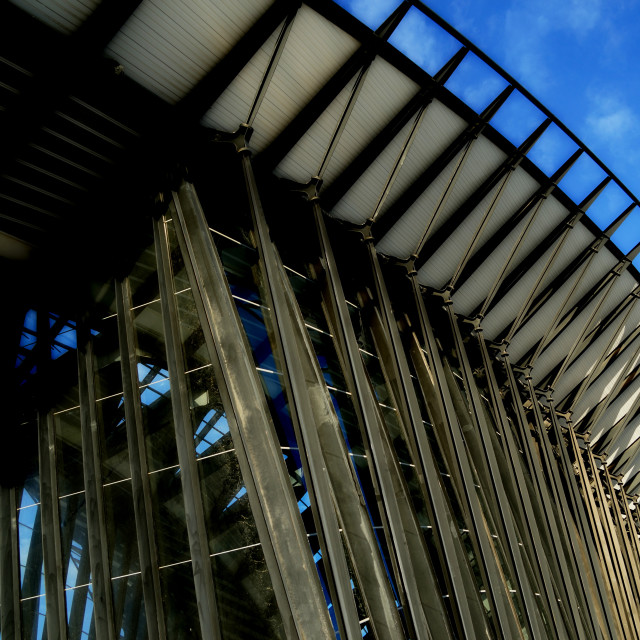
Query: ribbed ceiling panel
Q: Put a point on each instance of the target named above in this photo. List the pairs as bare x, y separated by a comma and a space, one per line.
445, 194
234, 105
440, 266
63, 15
168, 45
439, 128
300, 74
366, 195
383, 93
304, 160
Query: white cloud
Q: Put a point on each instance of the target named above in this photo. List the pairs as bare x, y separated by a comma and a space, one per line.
372, 13
610, 119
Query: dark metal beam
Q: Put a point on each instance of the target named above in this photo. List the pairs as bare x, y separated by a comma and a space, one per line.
341, 185
384, 223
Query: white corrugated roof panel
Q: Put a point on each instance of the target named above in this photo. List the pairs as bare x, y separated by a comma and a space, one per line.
314, 51
630, 435
403, 238
440, 127
440, 267
232, 108
384, 92
619, 408
361, 200
519, 187
63, 15
169, 45
603, 384
437, 202
583, 280
303, 161
587, 360
559, 348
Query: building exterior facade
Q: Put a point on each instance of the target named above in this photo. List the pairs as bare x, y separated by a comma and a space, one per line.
344, 362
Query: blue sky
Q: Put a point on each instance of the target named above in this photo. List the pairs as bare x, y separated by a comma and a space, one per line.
579, 58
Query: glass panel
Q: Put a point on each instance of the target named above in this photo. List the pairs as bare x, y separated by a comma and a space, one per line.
211, 430
246, 601
69, 452
153, 377
128, 604
74, 540
121, 529
30, 551
80, 619
169, 517
180, 607
34, 614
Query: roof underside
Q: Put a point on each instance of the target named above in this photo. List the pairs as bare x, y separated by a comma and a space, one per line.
83, 128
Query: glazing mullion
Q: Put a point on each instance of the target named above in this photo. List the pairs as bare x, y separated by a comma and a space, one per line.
10, 620
140, 486
580, 515
405, 534
580, 592
549, 508
613, 549
494, 489
596, 527
628, 562
203, 578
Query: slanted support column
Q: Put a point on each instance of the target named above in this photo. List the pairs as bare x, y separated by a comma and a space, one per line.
140, 486
10, 620
500, 506
194, 510
404, 536
284, 542
524, 503
50, 515
432, 367
394, 361
600, 615
549, 511
93, 485
296, 381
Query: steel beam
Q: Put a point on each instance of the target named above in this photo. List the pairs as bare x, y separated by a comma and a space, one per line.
284, 542
93, 486
140, 486
285, 330
193, 507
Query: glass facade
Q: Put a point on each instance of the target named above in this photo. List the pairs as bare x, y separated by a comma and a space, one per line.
257, 439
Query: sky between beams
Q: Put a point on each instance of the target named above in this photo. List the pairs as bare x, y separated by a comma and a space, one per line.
579, 58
